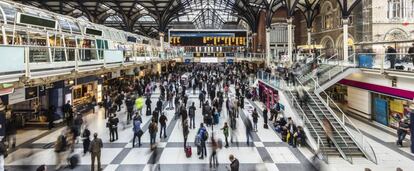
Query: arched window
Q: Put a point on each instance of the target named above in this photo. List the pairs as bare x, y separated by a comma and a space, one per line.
327, 16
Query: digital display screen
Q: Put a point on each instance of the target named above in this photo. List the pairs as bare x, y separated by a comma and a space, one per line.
37, 21
131, 39
208, 38
93, 32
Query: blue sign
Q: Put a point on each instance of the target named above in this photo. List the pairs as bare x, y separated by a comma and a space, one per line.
381, 111
230, 61
365, 61
187, 61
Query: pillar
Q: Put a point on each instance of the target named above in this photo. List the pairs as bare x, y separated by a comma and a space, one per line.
309, 40
345, 38
161, 43
254, 43
268, 54
290, 40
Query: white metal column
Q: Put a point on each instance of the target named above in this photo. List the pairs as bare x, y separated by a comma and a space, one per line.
268, 54
162, 44
345, 38
290, 40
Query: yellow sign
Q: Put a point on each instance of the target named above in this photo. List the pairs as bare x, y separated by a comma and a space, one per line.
397, 106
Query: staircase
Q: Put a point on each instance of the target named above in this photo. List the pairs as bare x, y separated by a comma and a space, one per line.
341, 136
349, 144
315, 123
346, 143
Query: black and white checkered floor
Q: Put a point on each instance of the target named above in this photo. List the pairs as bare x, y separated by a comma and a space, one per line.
268, 152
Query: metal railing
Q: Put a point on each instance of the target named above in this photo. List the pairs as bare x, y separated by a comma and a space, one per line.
384, 61
345, 121
37, 58
281, 84
320, 145
348, 158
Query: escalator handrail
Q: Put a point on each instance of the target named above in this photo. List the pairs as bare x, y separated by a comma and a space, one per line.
342, 122
316, 116
306, 119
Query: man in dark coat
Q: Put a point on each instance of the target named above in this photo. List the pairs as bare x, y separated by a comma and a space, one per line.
391, 56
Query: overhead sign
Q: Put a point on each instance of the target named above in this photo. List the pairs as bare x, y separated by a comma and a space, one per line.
208, 37
208, 60
36, 21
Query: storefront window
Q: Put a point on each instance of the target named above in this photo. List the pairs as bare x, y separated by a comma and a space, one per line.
389, 110
82, 94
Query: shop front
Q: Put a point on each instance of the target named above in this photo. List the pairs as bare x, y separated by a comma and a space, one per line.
268, 95
24, 105
83, 91
381, 104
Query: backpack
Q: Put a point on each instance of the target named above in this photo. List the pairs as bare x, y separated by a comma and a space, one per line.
205, 136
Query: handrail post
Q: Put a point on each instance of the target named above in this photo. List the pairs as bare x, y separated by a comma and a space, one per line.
27, 61
77, 60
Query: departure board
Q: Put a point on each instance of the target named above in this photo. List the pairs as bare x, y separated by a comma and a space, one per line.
208, 38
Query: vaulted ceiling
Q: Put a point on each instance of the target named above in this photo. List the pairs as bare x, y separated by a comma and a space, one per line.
149, 17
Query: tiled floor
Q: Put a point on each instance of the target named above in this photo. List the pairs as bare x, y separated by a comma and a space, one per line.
267, 153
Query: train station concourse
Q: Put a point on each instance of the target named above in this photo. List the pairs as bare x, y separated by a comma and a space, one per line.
206, 85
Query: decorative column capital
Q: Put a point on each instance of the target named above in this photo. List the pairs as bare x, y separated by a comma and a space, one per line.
345, 20
161, 34
309, 29
289, 20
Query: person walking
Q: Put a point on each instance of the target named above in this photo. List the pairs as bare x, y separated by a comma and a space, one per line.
191, 113
137, 131
292, 130
402, 131
60, 149
170, 100
86, 140
159, 106
113, 128
114, 122
391, 56
186, 131
130, 108
203, 134
148, 104
411, 53
249, 129
265, 118
213, 157
95, 149
226, 133
68, 112
153, 129
163, 122
201, 97
255, 117
328, 131
118, 101
234, 165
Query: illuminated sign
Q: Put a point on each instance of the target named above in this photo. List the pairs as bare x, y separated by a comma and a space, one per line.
208, 38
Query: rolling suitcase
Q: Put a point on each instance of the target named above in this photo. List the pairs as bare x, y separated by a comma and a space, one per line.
188, 151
